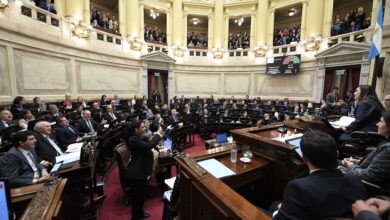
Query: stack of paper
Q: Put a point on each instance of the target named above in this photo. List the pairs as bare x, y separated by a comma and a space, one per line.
216, 168
343, 121
76, 147
284, 138
68, 157
170, 182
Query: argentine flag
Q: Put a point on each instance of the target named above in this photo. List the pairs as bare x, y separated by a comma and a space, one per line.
376, 44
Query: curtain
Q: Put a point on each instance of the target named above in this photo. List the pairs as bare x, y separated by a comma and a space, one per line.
329, 75
150, 81
164, 80
355, 78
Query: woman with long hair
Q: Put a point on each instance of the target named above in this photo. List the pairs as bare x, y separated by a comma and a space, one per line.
368, 111
375, 167
139, 169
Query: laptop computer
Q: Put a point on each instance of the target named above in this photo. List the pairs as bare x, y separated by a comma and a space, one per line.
168, 144
221, 138
5, 200
296, 143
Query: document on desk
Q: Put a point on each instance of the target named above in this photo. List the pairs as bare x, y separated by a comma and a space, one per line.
76, 147
68, 157
343, 121
285, 138
216, 168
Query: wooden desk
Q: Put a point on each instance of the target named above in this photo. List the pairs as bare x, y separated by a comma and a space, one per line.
25, 192
214, 198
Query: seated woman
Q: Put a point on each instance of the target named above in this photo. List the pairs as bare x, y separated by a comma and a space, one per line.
367, 113
26, 117
375, 167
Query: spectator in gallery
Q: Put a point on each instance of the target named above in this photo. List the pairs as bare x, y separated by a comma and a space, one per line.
48, 6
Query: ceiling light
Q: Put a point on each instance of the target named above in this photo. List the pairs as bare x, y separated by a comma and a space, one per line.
195, 21
239, 21
291, 12
154, 14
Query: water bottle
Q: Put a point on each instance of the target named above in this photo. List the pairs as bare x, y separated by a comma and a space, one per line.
233, 153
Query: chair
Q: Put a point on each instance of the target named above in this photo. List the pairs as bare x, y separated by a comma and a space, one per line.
122, 156
368, 141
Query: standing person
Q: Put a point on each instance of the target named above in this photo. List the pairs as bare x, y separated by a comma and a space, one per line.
333, 96
139, 168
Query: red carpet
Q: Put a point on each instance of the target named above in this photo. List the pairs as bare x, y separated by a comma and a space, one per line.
113, 207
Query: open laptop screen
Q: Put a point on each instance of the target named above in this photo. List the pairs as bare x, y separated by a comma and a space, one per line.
296, 142
5, 200
168, 144
221, 138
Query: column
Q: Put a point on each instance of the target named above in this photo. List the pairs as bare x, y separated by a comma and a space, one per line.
253, 30
303, 20
60, 7
210, 35
170, 82
375, 5
365, 73
185, 28
320, 81
142, 22
122, 17
169, 27
218, 24
178, 21
226, 33
328, 18
271, 23
74, 9
262, 22
132, 18
86, 12
316, 16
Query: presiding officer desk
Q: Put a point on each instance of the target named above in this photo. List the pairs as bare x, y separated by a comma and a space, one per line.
274, 163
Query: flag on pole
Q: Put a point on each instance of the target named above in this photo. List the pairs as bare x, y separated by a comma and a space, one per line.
376, 44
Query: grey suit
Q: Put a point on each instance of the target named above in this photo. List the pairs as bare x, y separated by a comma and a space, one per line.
17, 169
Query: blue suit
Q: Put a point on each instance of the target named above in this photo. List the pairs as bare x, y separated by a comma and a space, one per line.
66, 135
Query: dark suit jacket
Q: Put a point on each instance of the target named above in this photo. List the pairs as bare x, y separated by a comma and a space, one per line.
44, 150
108, 116
51, 118
141, 163
2, 126
16, 168
171, 120
367, 215
367, 115
321, 195
82, 126
65, 136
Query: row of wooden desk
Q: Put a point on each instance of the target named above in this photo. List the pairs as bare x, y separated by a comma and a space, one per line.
273, 165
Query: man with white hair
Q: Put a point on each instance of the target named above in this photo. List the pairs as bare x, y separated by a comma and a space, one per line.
6, 120
87, 124
46, 146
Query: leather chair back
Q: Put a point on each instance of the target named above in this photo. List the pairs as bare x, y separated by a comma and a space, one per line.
122, 156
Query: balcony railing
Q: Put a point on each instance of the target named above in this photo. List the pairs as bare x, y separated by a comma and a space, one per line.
106, 37
238, 53
197, 52
356, 36
41, 15
157, 47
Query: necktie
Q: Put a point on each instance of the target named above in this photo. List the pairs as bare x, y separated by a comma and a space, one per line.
31, 161
70, 128
90, 126
112, 116
58, 149
6, 124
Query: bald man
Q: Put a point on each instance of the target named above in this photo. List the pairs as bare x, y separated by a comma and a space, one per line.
6, 120
46, 147
86, 124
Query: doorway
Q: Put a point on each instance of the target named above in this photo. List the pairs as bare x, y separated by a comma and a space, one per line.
344, 77
158, 81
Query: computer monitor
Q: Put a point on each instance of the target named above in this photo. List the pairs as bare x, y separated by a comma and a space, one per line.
221, 138
5, 200
296, 142
168, 143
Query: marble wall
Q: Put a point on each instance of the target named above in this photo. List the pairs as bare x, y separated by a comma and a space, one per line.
5, 90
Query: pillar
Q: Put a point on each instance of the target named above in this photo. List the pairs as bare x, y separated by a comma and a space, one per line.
303, 20
169, 27
142, 22
210, 32
316, 16
185, 28
375, 5
226, 33
74, 9
262, 22
132, 18
271, 23
178, 21
86, 12
60, 7
218, 24
328, 18
253, 30
122, 17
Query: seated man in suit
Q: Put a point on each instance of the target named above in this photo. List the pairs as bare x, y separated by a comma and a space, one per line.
110, 115
326, 192
53, 113
6, 120
66, 134
87, 124
46, 147
174, 118
20, 164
